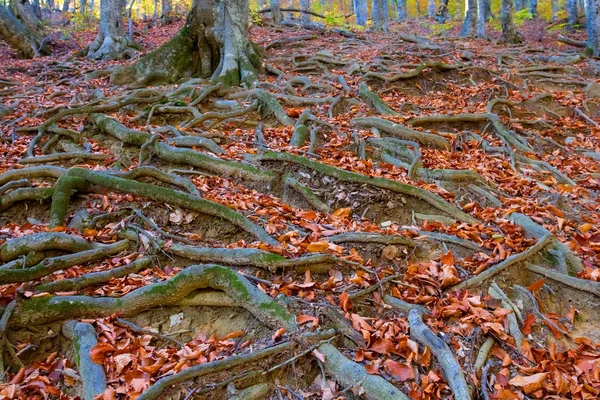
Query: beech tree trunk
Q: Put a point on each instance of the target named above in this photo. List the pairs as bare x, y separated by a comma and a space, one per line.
509, 33
66, 6
573, 12
304, 17
17, 36
360, 10
166, 9
481, 18
470, 21
213, 43
533, 8
592, 19
379, 16
430, 8
25, 12
111, 42
401, 10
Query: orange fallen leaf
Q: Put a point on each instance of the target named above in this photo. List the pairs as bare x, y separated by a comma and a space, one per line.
529, 383
317, 247
278, 334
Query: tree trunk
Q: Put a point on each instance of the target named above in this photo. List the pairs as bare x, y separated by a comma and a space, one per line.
592, 19
166, 9
418, 6
509, 33
554, 6
214, 42
66, 6
111, 42
379, 18
573, 13
519, 5
533, 8
304, 17
16, 35
481, 20
401, 10
276, 11
470, 22
25, 13
431, 8
488, 9
360, 11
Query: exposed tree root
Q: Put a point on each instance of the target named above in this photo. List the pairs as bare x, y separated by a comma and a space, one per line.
369, 237
307, 193
582, 284
404, 305
55, 308
513, 325
412, 74
24, 194
350, 374
484, 352
65, 187
448, 363
153, 172
383, 183
44, 171
402, 132
374, 101
38, 242
199, 370
94, 278
84, 339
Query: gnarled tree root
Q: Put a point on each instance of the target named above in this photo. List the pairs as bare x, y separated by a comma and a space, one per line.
307, 193
374, 101
43, 310
43, 171
350, 374
84, 339
370, 237
348, 176
576, 283
412, 74
445, 356
402, 132
154, 391
24, 194
404, 305
513, 325
37, 242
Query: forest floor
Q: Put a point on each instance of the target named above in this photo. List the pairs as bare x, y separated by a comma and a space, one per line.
382, 216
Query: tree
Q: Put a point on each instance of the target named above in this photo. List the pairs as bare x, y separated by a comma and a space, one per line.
276, 11
25, 12
401, 10
360, 10
533, 8
17, 36
111, 42
430, 8
213, 42
470, 21
573, 12
379, 17
305, 17
166, 9
592, 19
481, 18
509, 33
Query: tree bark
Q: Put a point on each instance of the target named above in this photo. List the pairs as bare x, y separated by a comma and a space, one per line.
509, 33
66, 6
111, 42
470, 21
360, 10
213, 43
166, 9
379, 17
592, 19
276, 11
481, 18
25, 13
304, 17
430, 8
573, 12
401, 10
17, 36
533, 8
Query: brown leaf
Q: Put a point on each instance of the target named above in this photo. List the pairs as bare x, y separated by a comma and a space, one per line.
529, 383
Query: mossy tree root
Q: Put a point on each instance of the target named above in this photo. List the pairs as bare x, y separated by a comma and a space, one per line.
84, 339
43, 241
449, 365
317, 263
47, 309
196, 141
374, 101
306, 192
178, 155
174, 197
153, 172
412, 74
65, 187
371, 237
513, 324
402, 132
43, 171
24, 194
94, 278
350, 374
154, 391
348, 176
53, 264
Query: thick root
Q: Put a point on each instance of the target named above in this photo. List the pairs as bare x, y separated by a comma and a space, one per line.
44, 241
402, 132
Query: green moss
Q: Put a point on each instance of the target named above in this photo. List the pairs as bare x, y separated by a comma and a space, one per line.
270, 258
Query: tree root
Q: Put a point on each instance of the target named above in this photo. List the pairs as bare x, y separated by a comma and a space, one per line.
317, 263
53, 264
65, 187
307, 193
412, 74
350, 374
484, 352
496, 269
24, 194
48, 158
537, 312
174, 197
374, 101
136, 329
84, 339
572, 42
94, 278
19, 183
404, 305
442, 237
153, 172
576, 283
343, 175
154, 391
196, 141
38, 242
369, 237
445, 356
402, 132
513, 325
44, 171
278, 42
47, 309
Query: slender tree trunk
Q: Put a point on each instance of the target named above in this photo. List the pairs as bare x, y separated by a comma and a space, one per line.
360, 11
533, 8
166, 10
509, 33
111, 41
17, 36
573, 13
83, 6
401, 10
379, 17
305, 6
470, 21
554, 5
481, 20
213, 43
592, 19
431, 8
50, 5
488, 9
37, 10
276, 11
66, 6
418, 5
